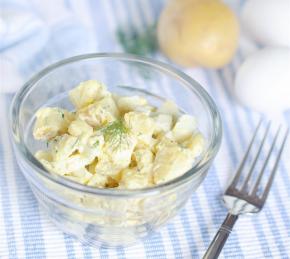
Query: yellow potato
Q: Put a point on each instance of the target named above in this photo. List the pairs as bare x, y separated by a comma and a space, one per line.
198, 32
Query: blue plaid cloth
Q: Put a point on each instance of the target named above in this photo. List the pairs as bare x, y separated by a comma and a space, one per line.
70, 27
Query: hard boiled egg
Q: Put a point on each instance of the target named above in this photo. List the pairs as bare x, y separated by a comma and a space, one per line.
263, 80
267, 21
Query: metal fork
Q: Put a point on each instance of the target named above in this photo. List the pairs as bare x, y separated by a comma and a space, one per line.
242, 200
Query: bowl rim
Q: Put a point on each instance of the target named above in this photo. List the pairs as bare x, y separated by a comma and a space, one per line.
205, 159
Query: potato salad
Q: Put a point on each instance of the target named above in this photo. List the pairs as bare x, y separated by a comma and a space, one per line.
112, 141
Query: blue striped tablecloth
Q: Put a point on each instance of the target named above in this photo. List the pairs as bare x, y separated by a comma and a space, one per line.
25, 232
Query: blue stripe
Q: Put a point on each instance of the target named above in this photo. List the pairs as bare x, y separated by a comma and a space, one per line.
104, 252
120, 252
32, 233
87, 251
174, 240
189, 232
154, 247
200, 218
70, 251
6, 208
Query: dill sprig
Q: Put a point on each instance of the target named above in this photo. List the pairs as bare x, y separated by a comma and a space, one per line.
143, 43
96, 143
116, 133
140, 43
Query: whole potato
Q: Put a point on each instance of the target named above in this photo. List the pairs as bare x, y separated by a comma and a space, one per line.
198, 32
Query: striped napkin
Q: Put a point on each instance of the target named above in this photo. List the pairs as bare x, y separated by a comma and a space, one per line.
25, 232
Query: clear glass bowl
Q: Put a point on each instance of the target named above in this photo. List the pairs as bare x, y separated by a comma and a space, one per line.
110, 217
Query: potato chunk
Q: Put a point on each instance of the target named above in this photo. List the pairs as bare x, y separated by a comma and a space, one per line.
141, 125
79, 127
132, 179
51, 122
130, 103
170, 162
100, 112
195, 144
184, 127
87, 93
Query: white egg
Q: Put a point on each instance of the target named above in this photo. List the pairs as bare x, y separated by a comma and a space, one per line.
263, 80
267, 21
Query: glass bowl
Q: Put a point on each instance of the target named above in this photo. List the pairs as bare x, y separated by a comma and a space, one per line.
110, 217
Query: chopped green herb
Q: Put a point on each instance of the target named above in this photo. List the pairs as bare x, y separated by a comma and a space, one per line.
116, 133
140, 43
62, 115
74, 144
96, 143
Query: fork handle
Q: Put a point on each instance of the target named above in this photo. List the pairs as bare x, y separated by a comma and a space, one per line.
221, 237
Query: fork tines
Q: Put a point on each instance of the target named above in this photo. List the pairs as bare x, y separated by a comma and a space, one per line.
252, 193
